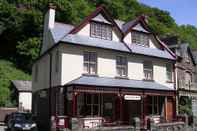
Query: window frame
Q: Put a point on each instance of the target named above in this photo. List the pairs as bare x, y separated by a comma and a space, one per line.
122, 66
142, 37
92, 104
100, 34
89, 62
171, 72
148, 70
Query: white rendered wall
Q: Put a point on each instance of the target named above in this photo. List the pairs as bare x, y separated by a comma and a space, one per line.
25, 99
72, 64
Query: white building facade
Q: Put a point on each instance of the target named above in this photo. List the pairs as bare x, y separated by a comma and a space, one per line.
107, 60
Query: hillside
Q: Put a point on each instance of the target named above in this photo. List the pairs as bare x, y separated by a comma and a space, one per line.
21, 27
8, 72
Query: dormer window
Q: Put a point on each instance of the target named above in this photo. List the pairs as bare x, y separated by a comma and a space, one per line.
101, 31
139, 38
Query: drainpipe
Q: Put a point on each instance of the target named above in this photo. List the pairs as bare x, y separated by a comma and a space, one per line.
50, 87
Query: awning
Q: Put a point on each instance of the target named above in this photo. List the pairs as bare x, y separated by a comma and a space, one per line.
118, 83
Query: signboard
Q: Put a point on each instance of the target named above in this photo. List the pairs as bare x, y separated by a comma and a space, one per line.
132, 97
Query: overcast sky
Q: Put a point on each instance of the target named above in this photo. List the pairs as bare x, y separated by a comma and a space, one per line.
183, 11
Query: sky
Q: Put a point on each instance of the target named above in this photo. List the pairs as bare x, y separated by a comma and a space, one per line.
183, 11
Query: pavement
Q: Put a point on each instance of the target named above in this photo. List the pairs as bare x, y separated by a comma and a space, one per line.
2, 128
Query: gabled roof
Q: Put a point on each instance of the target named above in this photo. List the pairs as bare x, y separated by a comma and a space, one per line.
99, 10
186, 49
121, 83
22, 85
194, 52
60, 30
127, 27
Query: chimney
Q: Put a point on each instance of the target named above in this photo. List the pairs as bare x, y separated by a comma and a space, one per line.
49, 21
50, 16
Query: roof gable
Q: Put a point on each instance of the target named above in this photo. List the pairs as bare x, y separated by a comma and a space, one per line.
134, 24
101, 15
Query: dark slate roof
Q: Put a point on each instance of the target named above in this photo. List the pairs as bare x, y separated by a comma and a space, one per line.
127, 25
22, 85
120, 23
121, 83
195, 56
95, 42
60, 30
151, 52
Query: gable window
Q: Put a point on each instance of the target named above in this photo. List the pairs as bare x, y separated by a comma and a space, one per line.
101, 31
169, 72
121, 66
148, 70
140, 39
90, 63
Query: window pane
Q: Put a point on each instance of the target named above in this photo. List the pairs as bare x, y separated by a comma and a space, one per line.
96, 99
95, 110
102, 31
86, 68
140, 38
148, 70
92, 69
88, 99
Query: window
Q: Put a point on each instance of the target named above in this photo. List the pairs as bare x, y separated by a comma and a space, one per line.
148, 71
101, 31
188, 79
169, 72
140, 39
90, 63
187, 60
92, 104
121, 66
155, 105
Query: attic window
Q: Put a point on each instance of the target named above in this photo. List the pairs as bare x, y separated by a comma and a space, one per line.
101, 31
140, 39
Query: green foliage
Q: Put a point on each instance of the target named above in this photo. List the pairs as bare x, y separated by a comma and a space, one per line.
8, 72
185, 105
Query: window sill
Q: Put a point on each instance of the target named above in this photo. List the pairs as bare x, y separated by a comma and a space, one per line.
148, 80
93, 75
121, 77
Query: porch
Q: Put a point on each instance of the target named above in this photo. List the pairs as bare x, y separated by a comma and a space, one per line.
109, 102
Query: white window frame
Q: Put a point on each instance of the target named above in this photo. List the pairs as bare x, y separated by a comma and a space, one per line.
100, 30
148, 71
90, 63
139, 38
122, 67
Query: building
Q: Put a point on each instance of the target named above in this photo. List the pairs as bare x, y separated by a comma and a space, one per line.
186, 76
103, 70
23, 95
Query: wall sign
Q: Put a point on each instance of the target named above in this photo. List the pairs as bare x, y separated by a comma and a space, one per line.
132, 97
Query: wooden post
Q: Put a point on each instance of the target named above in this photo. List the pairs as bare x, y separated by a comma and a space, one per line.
74, 104
144, 109
121, 107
